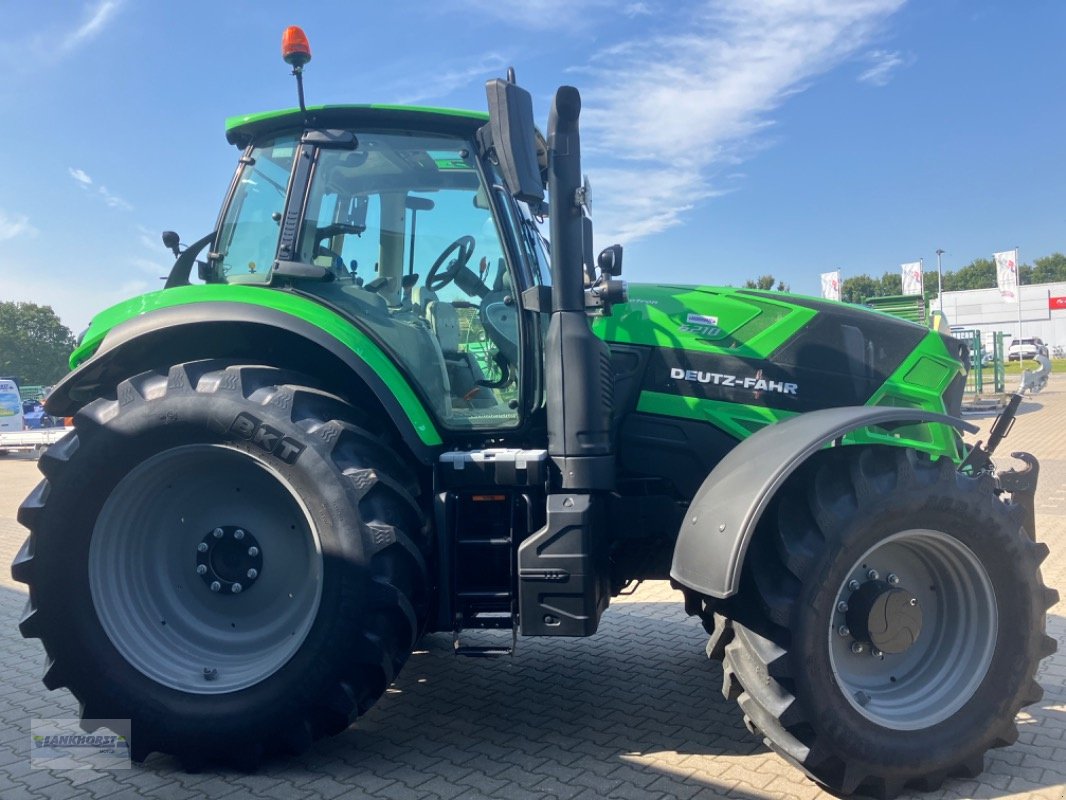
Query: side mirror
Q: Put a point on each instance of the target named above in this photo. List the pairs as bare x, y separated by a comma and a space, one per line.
172, 242
610, 260
514, 139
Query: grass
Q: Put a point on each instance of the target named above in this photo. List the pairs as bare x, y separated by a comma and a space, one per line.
1014, 368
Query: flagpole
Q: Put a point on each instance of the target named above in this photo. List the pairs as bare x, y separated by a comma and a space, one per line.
939, 280
1018, 269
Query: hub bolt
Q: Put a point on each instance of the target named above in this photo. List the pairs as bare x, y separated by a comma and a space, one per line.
893, 578
873, 574
202, 547
844, 631
853, 585
217, 533
253, 551
857, 647
253, 573
201, 569
215, 586
842, 607
238, 534
876, 653
236, 588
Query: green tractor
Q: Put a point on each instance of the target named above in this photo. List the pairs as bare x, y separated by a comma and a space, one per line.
368, 406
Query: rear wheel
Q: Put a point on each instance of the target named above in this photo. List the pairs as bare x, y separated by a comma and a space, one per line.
224, 557
890, 625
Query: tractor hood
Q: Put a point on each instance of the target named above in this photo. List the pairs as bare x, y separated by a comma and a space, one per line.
781, 351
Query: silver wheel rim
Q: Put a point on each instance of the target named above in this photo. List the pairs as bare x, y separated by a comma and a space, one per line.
160, 614
942, 670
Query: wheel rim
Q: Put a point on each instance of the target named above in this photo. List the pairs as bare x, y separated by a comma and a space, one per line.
147, 576
959, 621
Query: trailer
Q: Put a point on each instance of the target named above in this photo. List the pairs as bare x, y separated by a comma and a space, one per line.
34, 441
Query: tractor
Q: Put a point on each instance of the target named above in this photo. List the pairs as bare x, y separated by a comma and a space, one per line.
369, 406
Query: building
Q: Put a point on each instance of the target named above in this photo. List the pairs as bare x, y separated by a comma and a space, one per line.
1043, 312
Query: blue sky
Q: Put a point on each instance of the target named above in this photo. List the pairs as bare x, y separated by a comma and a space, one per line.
724, 139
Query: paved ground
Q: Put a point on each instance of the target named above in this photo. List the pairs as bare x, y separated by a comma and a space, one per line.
634, 712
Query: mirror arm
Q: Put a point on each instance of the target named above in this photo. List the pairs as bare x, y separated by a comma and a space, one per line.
182, 269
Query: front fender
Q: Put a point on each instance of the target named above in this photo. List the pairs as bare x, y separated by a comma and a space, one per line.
721, 519
261, 334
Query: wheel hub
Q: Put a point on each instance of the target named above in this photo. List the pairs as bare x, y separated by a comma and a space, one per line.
886, 617
229, 559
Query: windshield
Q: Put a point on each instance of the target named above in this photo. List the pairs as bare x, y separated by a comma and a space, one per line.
248, 237
405, 223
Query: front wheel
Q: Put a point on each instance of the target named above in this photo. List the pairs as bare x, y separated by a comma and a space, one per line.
890, 624
224, 557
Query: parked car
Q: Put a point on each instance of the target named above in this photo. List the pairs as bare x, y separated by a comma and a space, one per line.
1029, 347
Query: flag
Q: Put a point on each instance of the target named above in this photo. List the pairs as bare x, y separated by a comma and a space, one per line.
1007, 275
831, 285
912, 277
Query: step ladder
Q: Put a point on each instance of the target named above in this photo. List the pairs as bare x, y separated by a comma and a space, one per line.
484, 570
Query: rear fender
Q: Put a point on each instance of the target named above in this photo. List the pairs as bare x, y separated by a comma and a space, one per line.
257, 335
721, 519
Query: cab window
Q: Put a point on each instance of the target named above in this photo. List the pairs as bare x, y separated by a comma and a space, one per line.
405, 224
248, 237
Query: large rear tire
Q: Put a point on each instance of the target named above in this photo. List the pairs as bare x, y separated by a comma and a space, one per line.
890, 624
224, 557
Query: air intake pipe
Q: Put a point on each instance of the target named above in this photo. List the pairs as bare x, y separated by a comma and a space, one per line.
578, 374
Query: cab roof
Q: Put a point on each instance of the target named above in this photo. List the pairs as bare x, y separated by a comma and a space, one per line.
243, 129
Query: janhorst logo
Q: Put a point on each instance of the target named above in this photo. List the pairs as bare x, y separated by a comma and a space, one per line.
64, 744
95, 741
753, 382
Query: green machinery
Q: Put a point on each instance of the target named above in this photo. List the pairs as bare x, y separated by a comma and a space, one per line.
368, 405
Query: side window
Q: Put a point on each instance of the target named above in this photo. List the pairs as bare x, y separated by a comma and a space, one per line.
407, 227
248, 238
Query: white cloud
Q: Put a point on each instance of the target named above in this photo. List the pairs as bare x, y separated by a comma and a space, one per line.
83, 179
450, 79
98, 17
883, 64
15, 225
149, 238
53, 44
80, 175
664, 110
113, 200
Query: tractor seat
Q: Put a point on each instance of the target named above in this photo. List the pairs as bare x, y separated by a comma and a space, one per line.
463, 370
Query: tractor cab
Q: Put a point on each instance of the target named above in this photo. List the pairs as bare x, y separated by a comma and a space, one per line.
395, 219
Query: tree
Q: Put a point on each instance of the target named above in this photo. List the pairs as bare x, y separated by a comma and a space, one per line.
1048, 269
891, 283
858, 287
34, 344
766, 284
978, 274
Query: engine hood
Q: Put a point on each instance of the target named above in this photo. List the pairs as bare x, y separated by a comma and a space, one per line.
780, 351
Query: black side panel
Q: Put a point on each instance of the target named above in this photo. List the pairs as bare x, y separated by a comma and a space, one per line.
628, 363
679, 451
563, 583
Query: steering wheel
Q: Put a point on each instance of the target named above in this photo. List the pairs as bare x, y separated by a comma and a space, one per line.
435, 282
336, 228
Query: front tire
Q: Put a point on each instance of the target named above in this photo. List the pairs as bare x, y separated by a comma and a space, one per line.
880, 549
224, 557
